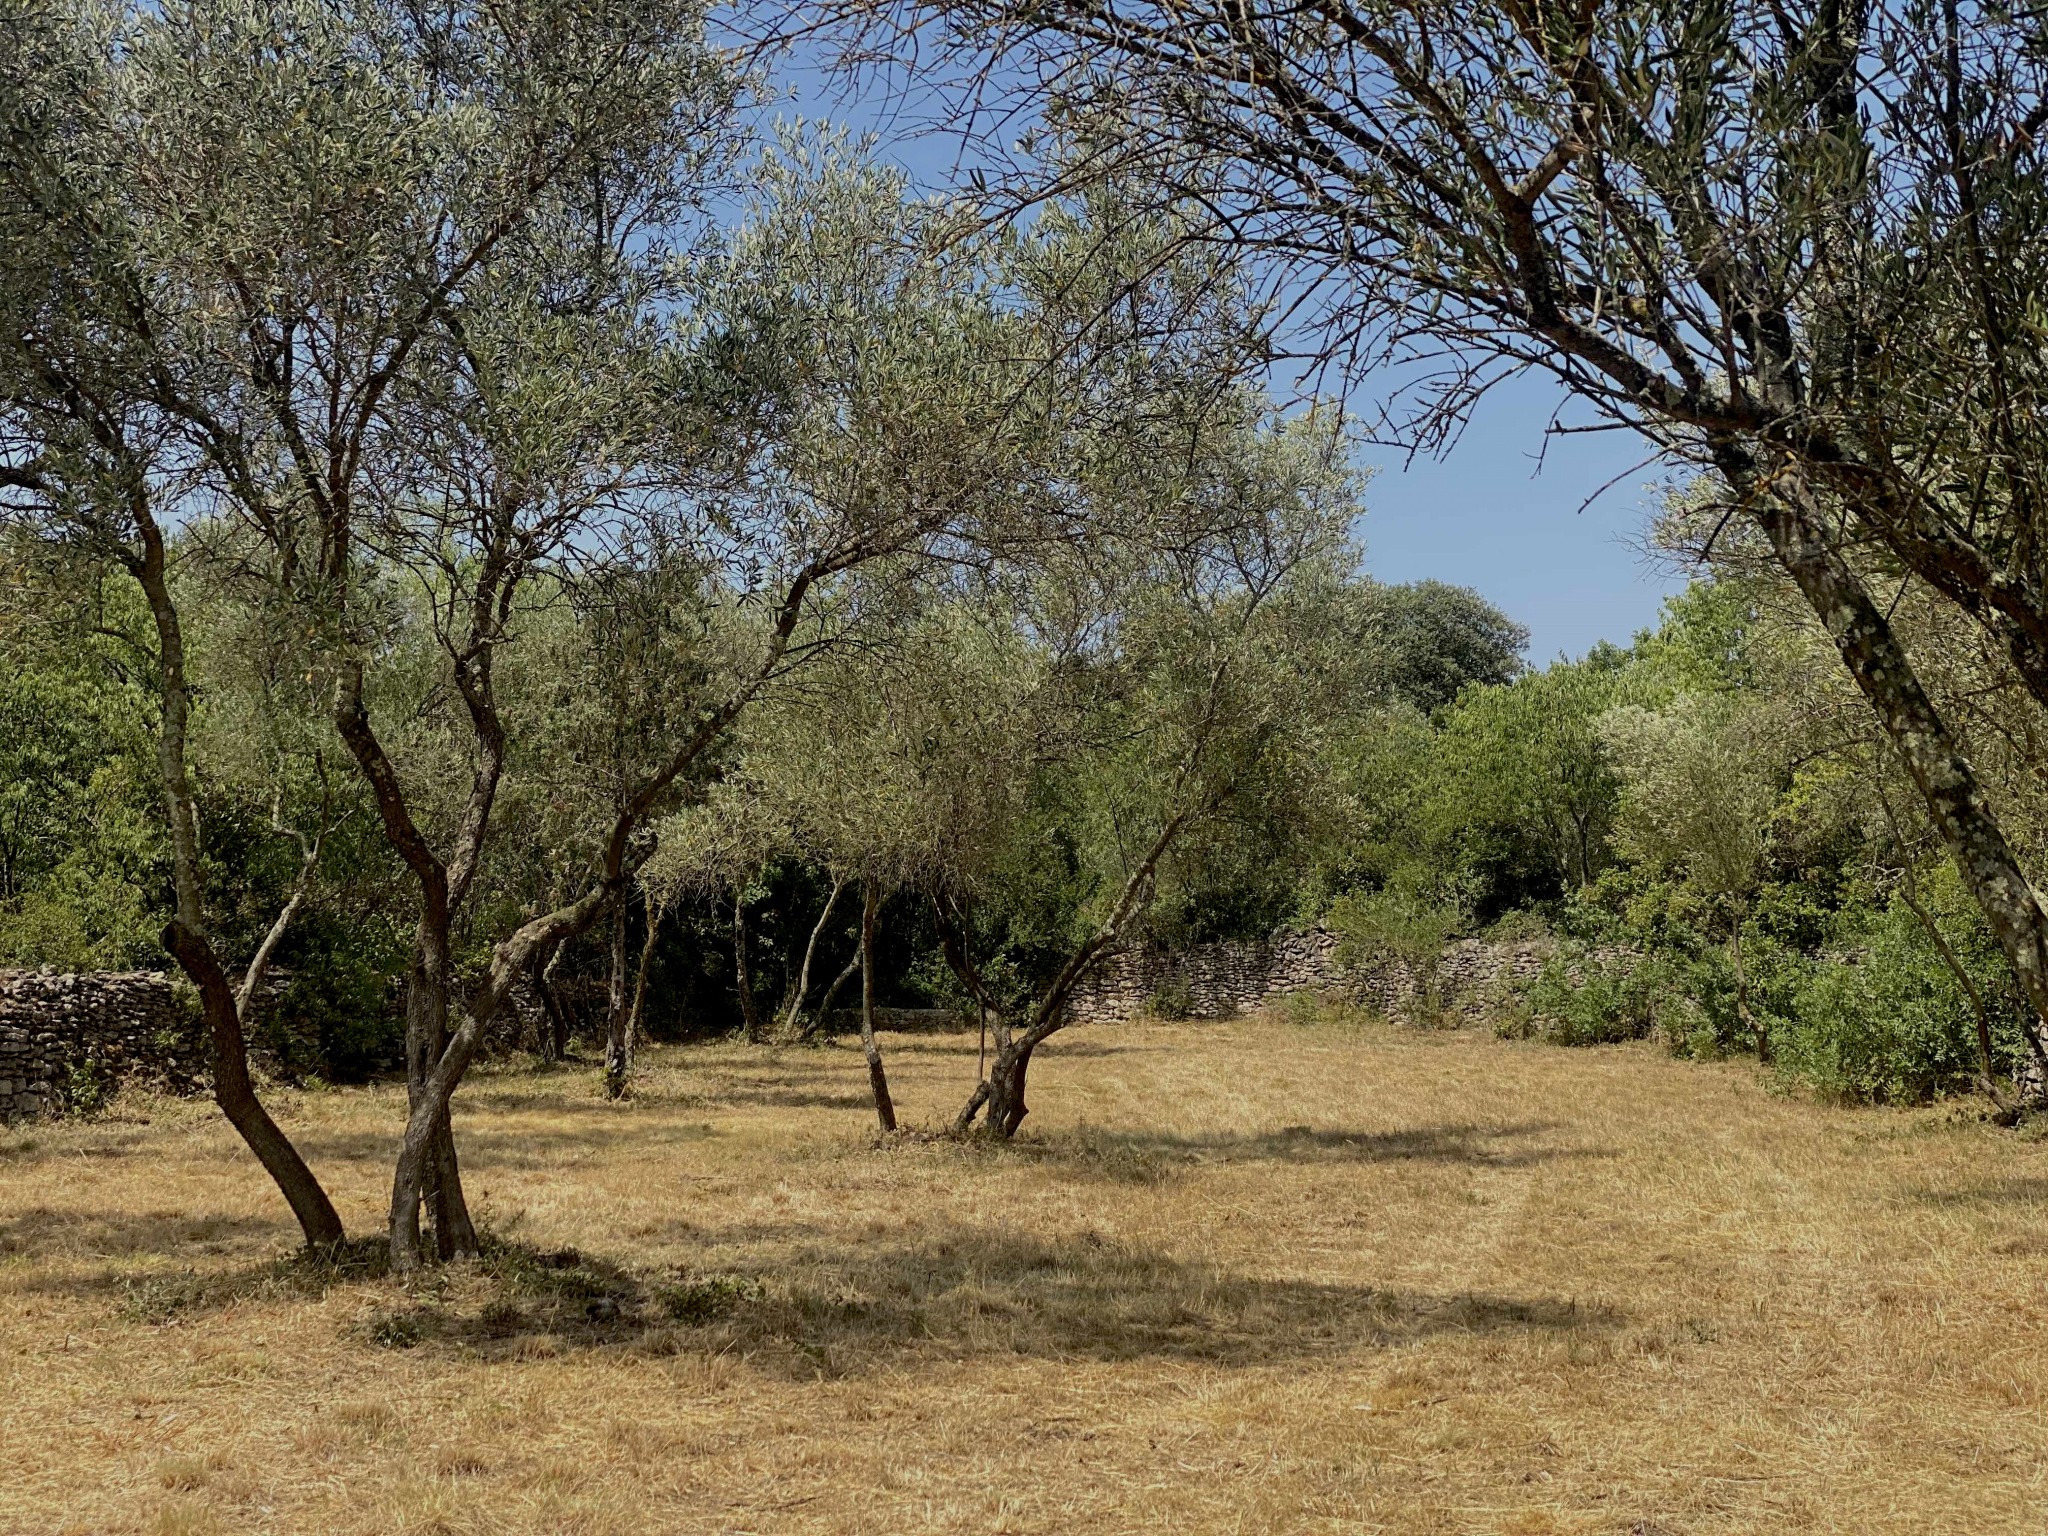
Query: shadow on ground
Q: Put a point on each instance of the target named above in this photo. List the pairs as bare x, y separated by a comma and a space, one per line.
2016, 1190
1142, 1156
841, 1306
43, 1233
850, 1307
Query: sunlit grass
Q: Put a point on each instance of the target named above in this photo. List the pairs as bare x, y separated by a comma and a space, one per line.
1253, 1277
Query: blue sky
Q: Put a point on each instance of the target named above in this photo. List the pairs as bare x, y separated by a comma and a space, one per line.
1485, 516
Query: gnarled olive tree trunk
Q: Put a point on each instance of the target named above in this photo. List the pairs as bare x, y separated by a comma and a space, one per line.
878, 1080
1884, 674
185, 937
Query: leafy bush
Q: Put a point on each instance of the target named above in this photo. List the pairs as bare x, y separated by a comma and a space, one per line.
1588, 995
1302, 1008
88, 1087
1400, 926
702, 1298
1891, 1023
1172, 999
1519, 926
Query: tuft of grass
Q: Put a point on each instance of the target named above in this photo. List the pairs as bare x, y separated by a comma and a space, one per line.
699, 1299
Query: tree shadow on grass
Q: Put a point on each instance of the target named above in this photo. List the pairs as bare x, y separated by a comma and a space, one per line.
487, 1147
850, 1308
2019, 1189
769, 1097
1144, 1156
841, 1306
42, 1232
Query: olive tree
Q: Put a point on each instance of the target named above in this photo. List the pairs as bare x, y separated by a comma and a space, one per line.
1182, 683
1798, 246
92, 461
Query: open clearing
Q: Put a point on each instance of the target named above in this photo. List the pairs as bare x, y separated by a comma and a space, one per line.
1422, 1283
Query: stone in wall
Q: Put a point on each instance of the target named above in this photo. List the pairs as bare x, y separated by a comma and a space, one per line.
58, 1031
1213, 981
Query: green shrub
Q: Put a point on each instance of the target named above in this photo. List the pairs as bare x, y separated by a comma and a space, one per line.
1600, 996
1302, 1008
1518, 927
87, 1087
703, 1298
1173, 999
1892, 1024
1582, 997
1399, 926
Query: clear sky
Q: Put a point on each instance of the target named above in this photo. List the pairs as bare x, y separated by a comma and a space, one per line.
1486, 516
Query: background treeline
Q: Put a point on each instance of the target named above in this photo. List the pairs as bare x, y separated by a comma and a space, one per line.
1004, 770
1721, 848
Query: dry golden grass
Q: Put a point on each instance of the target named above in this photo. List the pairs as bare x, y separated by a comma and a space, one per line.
1238, 1278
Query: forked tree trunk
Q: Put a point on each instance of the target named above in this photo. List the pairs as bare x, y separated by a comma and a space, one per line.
427, 1176
878, 1080
429, 1110
185, 937
1006, 1078
435, 1190
786, 1026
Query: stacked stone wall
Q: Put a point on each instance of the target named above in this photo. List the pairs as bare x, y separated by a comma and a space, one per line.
1213, 981
63, 1035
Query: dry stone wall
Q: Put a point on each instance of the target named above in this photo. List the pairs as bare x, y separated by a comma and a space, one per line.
1213, 981
62, 1036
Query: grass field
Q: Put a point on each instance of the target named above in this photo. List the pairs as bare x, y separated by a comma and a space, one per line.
1248, 1277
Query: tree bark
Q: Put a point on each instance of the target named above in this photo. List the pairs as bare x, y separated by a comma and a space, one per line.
1883, 673
319, 1223
436, 1187
185, 937
1005, 1084
743, 976
615, 1066
878, 1080
786, 1027
427, 1176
